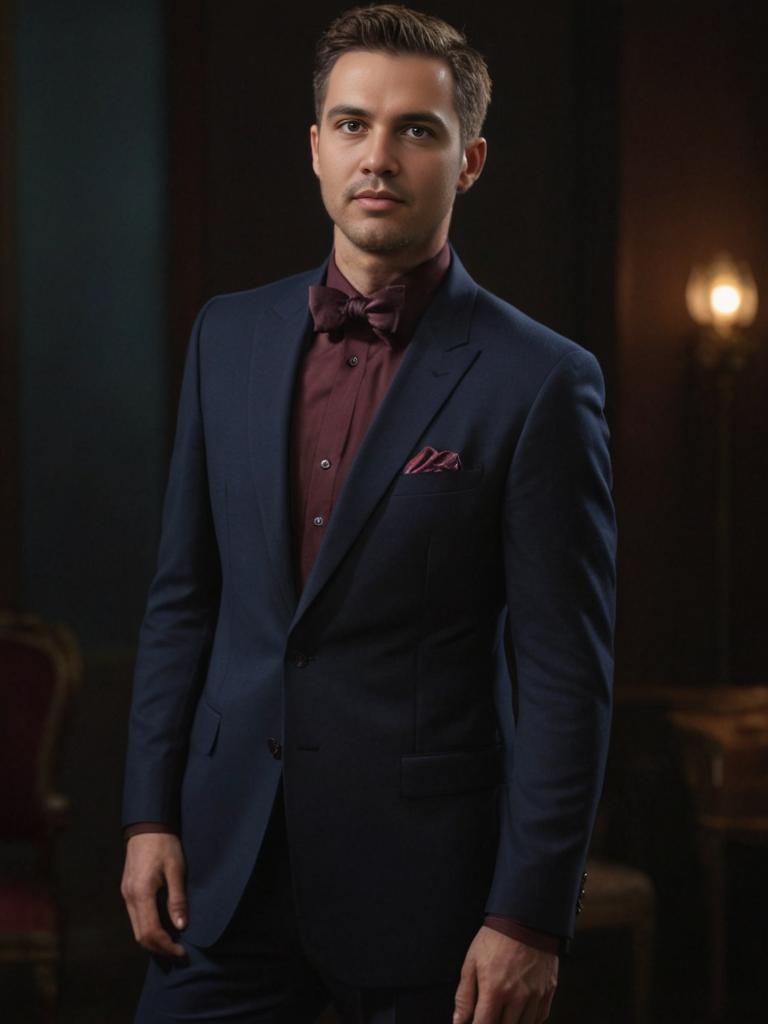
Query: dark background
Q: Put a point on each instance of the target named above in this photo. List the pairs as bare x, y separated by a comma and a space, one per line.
153, 154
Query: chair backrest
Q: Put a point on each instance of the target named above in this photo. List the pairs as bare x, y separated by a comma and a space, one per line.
39, 669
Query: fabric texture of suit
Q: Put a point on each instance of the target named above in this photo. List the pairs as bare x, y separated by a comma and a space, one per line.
437, 604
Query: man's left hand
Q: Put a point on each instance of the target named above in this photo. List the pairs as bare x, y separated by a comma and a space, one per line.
503, 981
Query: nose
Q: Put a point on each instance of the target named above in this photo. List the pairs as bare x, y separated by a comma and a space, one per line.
378, 156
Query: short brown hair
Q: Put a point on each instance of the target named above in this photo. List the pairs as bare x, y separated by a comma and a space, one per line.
393, 28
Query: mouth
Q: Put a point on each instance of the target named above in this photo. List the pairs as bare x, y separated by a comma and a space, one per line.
370, 199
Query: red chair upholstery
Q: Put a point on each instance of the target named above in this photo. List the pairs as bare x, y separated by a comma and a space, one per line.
40, 669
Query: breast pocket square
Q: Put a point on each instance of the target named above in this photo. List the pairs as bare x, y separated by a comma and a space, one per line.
430, 460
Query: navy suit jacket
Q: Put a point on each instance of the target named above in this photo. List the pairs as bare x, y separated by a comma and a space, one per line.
441, 687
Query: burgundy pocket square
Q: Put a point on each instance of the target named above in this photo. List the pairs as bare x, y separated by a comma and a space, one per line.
430, 460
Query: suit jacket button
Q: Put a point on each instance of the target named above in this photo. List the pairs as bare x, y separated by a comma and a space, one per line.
299, 659
275, 748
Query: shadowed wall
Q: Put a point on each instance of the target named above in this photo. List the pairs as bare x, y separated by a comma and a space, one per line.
90, 263
694, 181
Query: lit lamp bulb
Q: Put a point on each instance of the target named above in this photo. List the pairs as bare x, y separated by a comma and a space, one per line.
722, 296
725, 300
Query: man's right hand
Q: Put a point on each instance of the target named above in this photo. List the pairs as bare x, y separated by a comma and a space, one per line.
153, 860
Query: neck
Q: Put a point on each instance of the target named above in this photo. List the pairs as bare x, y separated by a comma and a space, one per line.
368, 272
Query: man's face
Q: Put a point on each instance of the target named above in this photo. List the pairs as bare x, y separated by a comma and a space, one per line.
388, 154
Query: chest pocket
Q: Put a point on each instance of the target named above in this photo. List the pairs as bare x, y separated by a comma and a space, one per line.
445, 481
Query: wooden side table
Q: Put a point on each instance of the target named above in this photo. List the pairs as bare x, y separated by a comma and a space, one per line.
726, 761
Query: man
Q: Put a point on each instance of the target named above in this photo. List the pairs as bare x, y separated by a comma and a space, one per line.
388, 521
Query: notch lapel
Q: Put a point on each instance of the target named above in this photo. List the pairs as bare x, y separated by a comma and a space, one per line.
438, 356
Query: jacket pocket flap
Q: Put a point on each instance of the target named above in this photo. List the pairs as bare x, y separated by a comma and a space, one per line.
205, 729
458, 772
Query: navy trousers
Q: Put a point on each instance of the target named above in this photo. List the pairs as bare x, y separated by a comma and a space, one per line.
259, 973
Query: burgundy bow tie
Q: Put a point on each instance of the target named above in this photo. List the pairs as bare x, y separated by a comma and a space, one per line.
332, 310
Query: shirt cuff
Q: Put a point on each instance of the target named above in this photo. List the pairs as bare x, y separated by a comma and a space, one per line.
543, 941
140, 827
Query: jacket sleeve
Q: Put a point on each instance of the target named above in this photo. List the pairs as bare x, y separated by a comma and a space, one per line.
178, 626
559, 553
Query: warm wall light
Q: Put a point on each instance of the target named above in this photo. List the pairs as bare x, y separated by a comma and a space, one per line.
722, 295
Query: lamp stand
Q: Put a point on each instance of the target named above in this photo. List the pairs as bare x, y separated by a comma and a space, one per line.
724, 354
726, 381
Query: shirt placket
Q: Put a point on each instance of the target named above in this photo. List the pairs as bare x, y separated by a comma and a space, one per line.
332, 439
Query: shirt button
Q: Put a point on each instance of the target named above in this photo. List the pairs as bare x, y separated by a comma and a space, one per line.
318, 520
353, 361
325, 463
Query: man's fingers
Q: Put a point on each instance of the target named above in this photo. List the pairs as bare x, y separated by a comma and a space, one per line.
511, 1015
148, 931
511, 983
489, 1011
177, 897
533, 1011
546, 1007
466, 994
529, 1009
161, 943
151, 861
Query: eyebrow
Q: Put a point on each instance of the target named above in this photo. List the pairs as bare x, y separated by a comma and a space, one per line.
423, 116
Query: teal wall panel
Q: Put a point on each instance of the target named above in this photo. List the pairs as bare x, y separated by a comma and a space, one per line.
91, 262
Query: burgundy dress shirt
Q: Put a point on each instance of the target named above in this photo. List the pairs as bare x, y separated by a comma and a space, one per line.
340, 386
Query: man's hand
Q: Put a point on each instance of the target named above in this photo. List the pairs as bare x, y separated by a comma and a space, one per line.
154, 859
503, 981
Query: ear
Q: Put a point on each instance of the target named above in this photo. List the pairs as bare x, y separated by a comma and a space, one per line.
314, 140
472, 164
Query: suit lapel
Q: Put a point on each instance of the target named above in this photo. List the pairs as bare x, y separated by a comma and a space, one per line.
438, 356
277, 349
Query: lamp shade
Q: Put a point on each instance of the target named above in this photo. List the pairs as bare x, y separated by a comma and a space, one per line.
722, 294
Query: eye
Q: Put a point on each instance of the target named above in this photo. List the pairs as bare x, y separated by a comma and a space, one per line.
351, 127
417, 131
